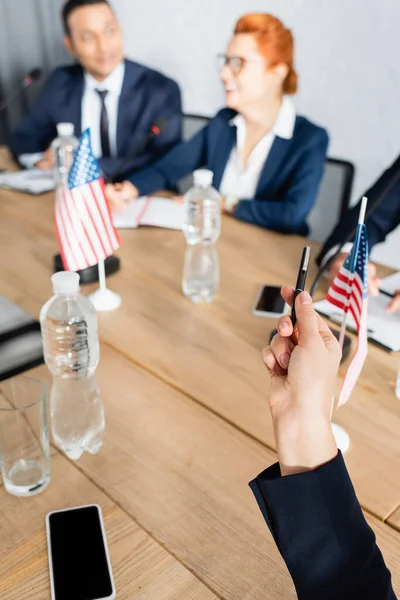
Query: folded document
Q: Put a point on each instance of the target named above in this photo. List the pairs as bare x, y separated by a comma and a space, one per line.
383, 328
31, 181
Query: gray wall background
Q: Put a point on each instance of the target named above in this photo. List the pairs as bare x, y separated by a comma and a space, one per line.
30, 36
347, 56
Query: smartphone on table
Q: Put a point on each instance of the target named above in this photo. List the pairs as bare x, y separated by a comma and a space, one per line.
269, 302
79, 562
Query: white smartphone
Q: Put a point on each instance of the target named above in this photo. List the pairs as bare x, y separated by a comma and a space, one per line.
269, 302
79, 562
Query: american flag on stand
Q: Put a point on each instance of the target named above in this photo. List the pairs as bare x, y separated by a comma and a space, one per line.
349, 292
85, 230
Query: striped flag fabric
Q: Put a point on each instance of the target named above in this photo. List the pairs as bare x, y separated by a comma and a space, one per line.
349, 292
84, 226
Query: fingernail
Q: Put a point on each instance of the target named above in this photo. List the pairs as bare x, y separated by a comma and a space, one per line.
284, 326
284, 358
305, 298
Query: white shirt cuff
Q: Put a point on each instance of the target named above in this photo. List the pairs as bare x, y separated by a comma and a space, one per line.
29, 160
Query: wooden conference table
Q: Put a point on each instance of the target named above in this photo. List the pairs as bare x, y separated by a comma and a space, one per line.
188, 424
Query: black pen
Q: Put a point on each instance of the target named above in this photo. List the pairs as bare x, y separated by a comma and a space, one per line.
385, 293
301, 279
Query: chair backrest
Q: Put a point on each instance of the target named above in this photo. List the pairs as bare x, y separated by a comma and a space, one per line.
20, 340
192, 124
333, 198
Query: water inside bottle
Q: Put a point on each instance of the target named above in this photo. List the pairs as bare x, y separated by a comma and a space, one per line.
77, 416
200, 280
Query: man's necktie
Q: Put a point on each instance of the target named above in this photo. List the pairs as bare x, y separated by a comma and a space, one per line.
104, 125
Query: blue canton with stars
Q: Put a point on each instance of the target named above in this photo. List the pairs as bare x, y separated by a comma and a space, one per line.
85, 167
360, 262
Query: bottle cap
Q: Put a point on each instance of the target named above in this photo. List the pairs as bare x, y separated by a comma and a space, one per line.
203, 177
65, 129
65, 282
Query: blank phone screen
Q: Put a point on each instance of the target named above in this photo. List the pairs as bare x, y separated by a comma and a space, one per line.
80, 568
271, 300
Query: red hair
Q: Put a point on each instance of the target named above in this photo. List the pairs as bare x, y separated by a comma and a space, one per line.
274, 41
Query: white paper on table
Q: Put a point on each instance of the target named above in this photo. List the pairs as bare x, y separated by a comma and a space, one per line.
383, 327
31, 181
152, 211
391, 283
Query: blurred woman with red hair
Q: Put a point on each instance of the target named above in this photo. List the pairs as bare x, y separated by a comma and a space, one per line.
267, 161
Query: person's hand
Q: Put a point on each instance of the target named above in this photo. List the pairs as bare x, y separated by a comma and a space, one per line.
303, 365
336, 266
395, 303
47, 162
373, 281
119, 195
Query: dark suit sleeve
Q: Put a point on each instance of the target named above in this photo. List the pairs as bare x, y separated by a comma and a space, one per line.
289, 215
179, 162
321, 532
169, 110
382, 220
37, 130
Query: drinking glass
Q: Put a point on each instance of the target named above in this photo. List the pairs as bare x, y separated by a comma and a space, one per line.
24, 438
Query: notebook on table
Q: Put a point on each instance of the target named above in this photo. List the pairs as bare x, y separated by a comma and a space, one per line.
150, 211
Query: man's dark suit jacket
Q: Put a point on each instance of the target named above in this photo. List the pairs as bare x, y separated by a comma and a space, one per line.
382, 220
322, 535
288, 183
146, 96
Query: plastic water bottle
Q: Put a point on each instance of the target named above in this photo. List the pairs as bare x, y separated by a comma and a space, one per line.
64, 148
202, 228
71, 351
202, 222
201, 273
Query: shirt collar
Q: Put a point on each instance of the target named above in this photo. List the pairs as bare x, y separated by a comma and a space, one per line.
112, 83
284, 124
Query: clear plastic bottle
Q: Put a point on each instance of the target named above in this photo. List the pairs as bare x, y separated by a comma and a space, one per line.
64, 148
202, 228
202, 222
71, 351
200, 280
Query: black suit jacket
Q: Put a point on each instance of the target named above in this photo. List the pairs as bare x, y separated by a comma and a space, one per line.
145, 97
382, 220
321, 532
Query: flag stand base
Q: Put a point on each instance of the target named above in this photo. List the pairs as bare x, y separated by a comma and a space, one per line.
342, 438
105, 299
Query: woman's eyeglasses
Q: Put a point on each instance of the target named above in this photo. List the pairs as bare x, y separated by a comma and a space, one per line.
235, 63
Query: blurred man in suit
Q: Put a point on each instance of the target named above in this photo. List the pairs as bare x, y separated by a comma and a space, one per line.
119, 100
384, 216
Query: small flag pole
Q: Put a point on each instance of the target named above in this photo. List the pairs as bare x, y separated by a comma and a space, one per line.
342, 438
361, 219
104, 299
102, 275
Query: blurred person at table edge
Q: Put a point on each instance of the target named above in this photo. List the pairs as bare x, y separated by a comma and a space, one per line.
119, 100
383, 216
307, 498
267, 161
